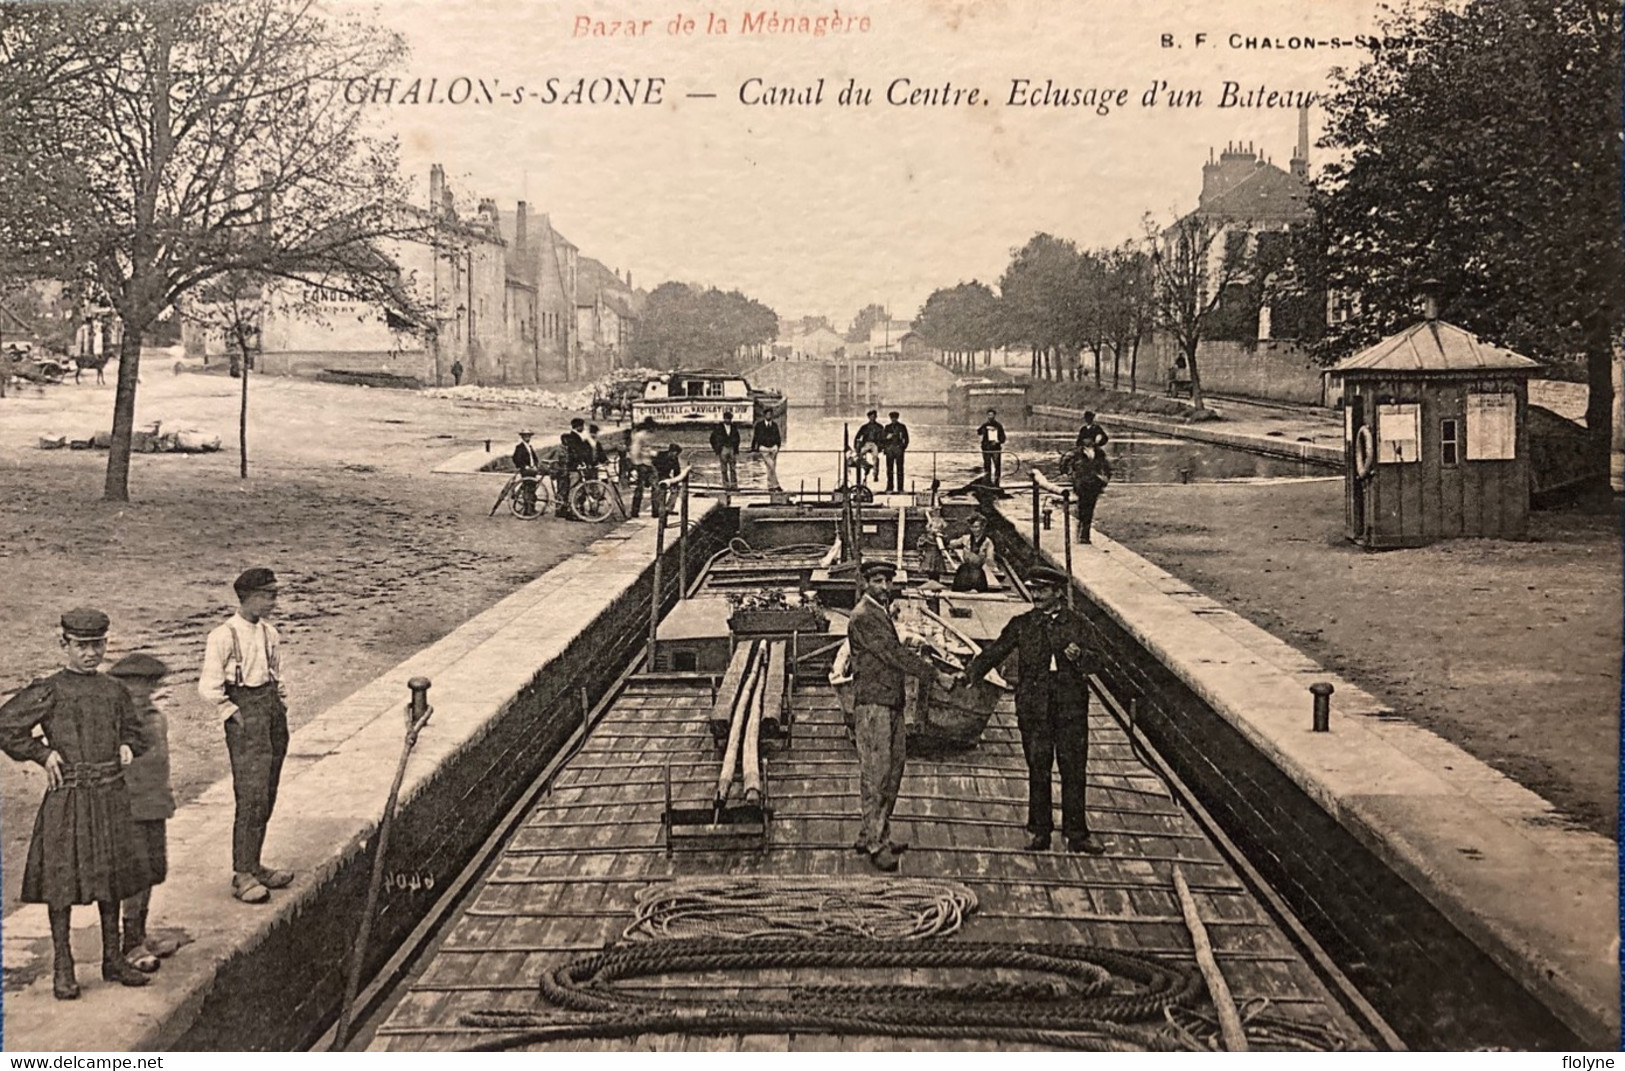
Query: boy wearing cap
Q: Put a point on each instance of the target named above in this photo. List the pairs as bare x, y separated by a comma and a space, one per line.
83, 849
152, 804
242, 678
879, 663
1052, 708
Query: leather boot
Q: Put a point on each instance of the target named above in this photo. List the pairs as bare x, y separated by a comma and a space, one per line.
114, 967
64, 986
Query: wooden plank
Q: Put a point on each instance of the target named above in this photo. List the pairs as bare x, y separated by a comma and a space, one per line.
773, 701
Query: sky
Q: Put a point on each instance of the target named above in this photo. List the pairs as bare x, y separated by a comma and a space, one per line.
822, 209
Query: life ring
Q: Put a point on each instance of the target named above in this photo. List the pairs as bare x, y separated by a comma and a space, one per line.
1365, 453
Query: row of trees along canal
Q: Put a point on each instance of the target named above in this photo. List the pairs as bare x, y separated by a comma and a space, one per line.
1479, 154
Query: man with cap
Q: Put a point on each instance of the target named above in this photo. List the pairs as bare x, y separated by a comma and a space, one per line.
528, 463
879, 663
1091, 472
991, 433
894, 443
866, 444
725, 444
84, 849
242, 678
152, 804
1052, 708
579, 455
1091, 433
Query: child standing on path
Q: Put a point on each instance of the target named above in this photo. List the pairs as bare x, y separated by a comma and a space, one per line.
152, 804
242, 677
84, 849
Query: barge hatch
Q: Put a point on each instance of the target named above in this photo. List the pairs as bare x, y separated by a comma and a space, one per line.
567, 880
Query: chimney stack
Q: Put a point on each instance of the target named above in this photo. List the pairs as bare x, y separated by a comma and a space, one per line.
521, 227
1430, 299
437, 189
1300, 159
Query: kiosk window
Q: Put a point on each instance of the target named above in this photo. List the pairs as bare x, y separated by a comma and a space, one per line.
1399, 433
1492, 427
1449, 442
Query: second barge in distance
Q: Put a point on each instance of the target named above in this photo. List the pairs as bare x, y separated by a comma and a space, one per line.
699, 398
640, 897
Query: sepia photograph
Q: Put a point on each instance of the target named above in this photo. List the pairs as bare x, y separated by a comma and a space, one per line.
938, 526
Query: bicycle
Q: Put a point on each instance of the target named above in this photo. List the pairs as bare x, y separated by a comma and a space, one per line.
541, 500
592, 497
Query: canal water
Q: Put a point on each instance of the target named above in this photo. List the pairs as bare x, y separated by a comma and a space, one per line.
950, 453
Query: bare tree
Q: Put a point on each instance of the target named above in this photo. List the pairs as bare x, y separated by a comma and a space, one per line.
159, 148
1191, 276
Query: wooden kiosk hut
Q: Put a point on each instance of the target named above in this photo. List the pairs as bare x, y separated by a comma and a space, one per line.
1435, 428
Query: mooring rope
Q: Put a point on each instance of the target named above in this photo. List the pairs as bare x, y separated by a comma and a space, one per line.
896, 909
1106, 1000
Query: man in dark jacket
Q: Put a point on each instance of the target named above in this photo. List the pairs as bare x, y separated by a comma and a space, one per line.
991, 433
1052, 709
1091, 472
1091, 433
894, 444
578, 455
866, 445
765, 439
527, 462
879, 663
725, 444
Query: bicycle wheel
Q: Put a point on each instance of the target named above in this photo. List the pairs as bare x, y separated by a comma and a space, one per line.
590, 501
517, 503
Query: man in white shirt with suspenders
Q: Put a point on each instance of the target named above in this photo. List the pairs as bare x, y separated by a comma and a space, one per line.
242, 677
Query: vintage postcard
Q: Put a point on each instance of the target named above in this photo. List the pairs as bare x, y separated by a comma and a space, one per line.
694, 525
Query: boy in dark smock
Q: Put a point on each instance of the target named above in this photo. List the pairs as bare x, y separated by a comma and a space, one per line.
152, 804
84, 849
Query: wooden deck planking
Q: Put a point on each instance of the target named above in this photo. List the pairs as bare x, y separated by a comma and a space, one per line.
569, 876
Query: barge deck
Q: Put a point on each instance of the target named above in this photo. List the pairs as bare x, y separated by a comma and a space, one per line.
568, 878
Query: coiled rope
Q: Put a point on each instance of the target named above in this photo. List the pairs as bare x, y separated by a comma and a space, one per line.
722, 907
1106, 1000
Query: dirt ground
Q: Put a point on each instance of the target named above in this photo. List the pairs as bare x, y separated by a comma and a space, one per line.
377, 556
1509, 650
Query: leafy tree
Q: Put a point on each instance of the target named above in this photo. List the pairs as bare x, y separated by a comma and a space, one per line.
1126, 306
152, 149
1484, 152
867, 319
688, 326
1041, 294
961, 321
1193, 261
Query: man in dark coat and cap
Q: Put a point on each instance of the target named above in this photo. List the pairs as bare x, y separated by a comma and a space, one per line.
1052, 708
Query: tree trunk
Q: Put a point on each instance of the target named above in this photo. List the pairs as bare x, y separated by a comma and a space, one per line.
1133, 365
1196, 377
242, 421
1117, 365
116, 487
1600, 388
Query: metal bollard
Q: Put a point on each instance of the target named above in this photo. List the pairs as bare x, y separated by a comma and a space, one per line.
417, 709
488, 446
1049, 518
1322, 692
